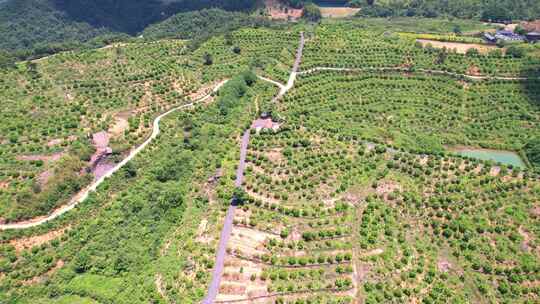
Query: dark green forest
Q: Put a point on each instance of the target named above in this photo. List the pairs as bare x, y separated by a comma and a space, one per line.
488, 10
202, 24
494, 10
36, 28
33, 28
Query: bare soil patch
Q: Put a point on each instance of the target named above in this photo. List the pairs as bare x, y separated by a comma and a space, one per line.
535, 211
338, 12
386, 187
204, 90
443, 265
474, 71
461, 48
494, 171
99, 164
275, 156
54, 142
249, 241
267, 123
373, 252
42, 157
525, 245
202, 236
533, 26
4, 185
362, 272
43, 277
102, 168
44, 177
232, 288
29, 242
121, 124
159, 286
280, 11
238, 273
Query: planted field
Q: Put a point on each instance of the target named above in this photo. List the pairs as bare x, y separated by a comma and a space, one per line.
416, 111
370, 222
341, 46
350, 193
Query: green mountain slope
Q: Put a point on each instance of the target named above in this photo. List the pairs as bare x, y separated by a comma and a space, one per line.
27, 24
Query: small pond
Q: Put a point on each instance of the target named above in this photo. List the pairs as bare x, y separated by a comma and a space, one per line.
503, 157
330, 3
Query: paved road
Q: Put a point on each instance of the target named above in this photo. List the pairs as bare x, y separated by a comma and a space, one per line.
296, 66
217, 273
399, 69
213, 289
278, 84
81, 196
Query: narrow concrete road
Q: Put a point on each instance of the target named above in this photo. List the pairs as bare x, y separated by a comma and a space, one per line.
213, 289
399, 69
82, 195
217, 273
278, 84
294, 72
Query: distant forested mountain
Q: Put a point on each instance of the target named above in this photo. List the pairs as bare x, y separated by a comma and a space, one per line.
48, 25
132, 16
202, 23
495, 10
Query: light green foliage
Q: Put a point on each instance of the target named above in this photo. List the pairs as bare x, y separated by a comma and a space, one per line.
356, 181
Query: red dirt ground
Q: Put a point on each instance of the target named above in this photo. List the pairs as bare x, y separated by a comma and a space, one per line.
98, 162
29, 242
533, 26
278, 10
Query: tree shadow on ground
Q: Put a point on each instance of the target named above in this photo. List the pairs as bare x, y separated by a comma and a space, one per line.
531, 86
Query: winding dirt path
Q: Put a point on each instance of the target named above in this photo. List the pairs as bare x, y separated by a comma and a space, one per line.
217, 273
81, 196
278, 84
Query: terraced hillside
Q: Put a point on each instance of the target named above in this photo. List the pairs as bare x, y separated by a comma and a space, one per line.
64, 115
342, 46
335, 184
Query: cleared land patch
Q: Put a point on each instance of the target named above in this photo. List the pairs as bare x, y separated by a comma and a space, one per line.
460, 48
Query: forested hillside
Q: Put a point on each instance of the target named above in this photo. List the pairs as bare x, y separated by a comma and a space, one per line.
28, 23
46, 26
496, 10
201, 24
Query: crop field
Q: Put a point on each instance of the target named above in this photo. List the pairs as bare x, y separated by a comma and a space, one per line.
350, 192
342, 46
404, 227
417, 111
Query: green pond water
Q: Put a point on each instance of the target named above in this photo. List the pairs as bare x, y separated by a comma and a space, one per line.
503, 157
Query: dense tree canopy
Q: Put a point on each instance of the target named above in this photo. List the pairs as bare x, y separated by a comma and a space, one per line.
487, 10
201, 24
532, 149
30, 24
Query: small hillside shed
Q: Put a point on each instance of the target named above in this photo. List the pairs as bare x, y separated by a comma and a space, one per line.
490, 38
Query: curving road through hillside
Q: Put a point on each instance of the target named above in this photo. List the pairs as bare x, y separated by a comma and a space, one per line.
81, 196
